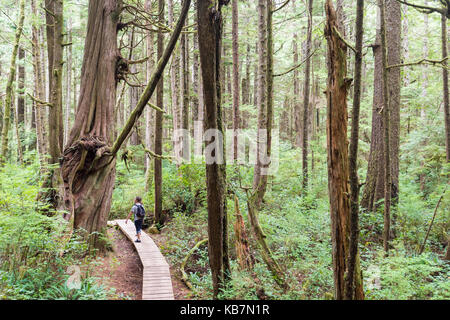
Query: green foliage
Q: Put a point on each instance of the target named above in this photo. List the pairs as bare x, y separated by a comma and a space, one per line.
405, 277
33, 259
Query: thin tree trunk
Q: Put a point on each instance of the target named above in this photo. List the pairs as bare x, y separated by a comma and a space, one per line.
69, 81
159, 218
21, 87
445, 86
39, 91
236, 98
354, 284
259, 178
185, 87
17, 131
306, 97
133, 93
9, 86
195, 79
386, 119
174, 75
150, 113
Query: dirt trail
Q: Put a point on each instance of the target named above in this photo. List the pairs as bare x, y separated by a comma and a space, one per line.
121, 269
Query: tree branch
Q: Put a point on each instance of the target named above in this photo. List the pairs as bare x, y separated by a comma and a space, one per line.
343, 39
281, 7
295, 67
148, 92
428, 9
44, 103
422, 61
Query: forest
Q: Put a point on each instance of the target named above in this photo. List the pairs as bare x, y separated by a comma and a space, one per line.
282, 149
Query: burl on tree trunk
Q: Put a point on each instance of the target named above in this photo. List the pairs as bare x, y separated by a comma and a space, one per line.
88, 163
87, 169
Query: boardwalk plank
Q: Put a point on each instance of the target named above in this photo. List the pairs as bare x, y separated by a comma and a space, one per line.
156, 282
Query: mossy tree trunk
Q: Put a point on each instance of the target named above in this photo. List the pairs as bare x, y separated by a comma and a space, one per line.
338, 161
9, 86
210, 24
354, 285
87, 170
159, 124
306, 90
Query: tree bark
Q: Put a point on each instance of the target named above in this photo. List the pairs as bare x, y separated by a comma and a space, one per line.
236, 98
386, 120
209, 21
259, 178
150, 113
9, 86
445, 86
69, 81
174, 76
159, 218
374, 187
306, 90
87, 170
54, 9
296, 106
39, 91
354, 283
337, 147
21, 87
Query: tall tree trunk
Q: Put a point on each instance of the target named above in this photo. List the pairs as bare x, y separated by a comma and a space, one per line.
9, 86
209, 21
259, 178
19, 142
185, 87
174, 76
159, 218
195, 78
150, 113
39, 90
374, 187
354, 283
87, 169
133, 92
306, 111
337, 147
445, 87
386, 120
55, 55
236, 98
426, 53
21, 87
69, 81
296, 106
54, 22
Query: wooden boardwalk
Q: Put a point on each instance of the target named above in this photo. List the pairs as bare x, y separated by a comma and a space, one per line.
156, 282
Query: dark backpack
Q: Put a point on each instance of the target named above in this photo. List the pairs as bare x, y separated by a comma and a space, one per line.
140, 212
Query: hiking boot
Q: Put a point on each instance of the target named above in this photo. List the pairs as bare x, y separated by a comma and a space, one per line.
137, 240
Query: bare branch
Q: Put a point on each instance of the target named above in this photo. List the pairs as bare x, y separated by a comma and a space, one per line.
422, 61
297, 66
428, 9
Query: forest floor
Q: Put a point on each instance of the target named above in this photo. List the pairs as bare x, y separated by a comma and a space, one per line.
121, 270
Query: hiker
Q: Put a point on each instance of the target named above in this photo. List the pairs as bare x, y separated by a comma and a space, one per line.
139, 214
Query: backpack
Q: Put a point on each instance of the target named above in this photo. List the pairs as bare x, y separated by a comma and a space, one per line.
140, 212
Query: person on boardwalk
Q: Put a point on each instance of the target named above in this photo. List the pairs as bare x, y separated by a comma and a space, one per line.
139, 214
